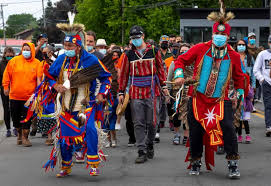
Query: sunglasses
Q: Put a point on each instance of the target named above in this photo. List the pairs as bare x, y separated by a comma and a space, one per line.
241, 45
164, 39
9, 56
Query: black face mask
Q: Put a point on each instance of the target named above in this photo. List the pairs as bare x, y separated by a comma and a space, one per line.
164, 46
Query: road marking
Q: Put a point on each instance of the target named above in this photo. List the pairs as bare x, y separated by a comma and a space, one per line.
259, 115
260, 111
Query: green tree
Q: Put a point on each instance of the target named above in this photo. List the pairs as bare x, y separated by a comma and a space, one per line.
19, 22
1, 33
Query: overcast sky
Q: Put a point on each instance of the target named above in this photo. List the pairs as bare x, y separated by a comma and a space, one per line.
23, 6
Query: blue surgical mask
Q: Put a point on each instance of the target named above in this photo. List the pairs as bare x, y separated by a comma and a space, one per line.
89, 48
137, 42
26, 54
174, 52
9, 58
219, 40
44, 45
70, 53
103, 51
241, 48
252, 41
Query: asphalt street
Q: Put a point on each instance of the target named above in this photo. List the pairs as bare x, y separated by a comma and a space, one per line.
22, 166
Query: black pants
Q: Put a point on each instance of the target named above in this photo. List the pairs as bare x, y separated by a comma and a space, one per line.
196, 132
5, 102
239, 129
129, 124
18, 113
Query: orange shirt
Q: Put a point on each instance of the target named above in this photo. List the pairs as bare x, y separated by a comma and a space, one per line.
20, 76
168, 61
118, 65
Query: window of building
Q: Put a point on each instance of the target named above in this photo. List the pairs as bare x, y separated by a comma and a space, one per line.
264, 33
197, 34
239, 32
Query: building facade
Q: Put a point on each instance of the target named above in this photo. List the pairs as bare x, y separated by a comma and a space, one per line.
196, 28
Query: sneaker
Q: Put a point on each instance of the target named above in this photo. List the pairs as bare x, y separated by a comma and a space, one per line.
79, 157
185, 140
220, 150
94, 172
177, 139
150, 152
142, 157
234, 172
131, 144
254, 110
157, 138
260, 101
108, 144
64, 173
268, 131
8, 133
195, 168
240, 139
114, 143
248, 139
117, 126
15, 133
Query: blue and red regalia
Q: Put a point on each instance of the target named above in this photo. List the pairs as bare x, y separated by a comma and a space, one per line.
210, 114
75, 102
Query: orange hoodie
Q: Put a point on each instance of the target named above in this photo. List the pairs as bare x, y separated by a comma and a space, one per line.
20, 76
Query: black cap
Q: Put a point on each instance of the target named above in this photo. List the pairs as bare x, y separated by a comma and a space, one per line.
136, 31
42, 36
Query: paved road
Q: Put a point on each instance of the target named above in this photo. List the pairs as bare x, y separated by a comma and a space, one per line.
22, 166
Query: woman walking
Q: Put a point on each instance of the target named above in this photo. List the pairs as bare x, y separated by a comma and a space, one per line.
8, 55
21, 77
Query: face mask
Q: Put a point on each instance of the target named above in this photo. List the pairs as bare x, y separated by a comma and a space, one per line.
70, 53
183, 52
164, 46
44, 45
137, 42
26, 54
103, 51
252, 41
219, 40
9, 58
241, 48
174, 52
89, 48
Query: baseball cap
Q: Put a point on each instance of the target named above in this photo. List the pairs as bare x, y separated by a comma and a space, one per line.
42, 36
136, 32
251, 34
164, 38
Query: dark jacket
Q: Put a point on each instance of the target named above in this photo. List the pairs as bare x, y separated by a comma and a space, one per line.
3, 65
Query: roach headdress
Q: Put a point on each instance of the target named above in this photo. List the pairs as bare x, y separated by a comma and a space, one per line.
74, 33
221, 19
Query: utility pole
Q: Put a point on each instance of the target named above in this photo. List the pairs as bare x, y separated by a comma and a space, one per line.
4, 30
44, 21
122, 21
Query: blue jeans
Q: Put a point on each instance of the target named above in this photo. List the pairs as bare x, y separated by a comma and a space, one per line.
267, 103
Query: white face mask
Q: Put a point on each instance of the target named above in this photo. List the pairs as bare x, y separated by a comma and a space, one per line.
103, 51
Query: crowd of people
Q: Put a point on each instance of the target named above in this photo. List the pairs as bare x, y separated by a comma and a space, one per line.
76, 97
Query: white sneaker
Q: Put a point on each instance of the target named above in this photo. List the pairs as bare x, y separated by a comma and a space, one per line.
254, 109
114, 143
79, 158
108, 145
157, 135
118, 126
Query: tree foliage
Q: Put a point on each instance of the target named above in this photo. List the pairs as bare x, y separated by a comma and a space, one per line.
105, 16
19, 22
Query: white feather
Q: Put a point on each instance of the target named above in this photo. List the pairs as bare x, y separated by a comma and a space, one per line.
71, 16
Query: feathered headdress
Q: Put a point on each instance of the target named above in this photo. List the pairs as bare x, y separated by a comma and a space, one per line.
221, 19
73, 32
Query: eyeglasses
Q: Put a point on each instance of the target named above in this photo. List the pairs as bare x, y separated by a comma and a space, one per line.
9, 56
